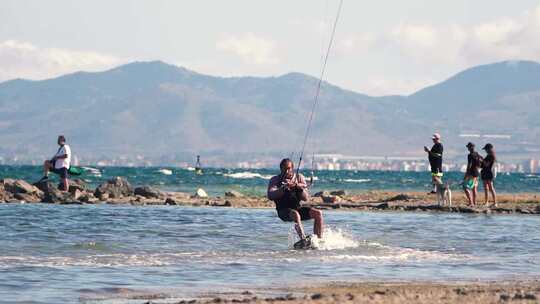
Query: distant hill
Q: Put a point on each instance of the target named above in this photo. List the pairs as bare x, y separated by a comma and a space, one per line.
156, 109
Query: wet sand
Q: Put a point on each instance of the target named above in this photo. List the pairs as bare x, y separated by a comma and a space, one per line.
385, 293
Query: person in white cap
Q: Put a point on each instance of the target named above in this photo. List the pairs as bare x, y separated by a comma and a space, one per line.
435, 161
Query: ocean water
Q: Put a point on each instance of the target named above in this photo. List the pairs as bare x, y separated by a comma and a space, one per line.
254, 182
123, 254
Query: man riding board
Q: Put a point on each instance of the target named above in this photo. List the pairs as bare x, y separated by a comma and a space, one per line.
287, 190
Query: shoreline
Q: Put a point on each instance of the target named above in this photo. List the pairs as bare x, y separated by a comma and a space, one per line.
478, 292
118, 191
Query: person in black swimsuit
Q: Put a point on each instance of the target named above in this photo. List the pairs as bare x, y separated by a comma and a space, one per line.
487, 173
470, 180
287, 190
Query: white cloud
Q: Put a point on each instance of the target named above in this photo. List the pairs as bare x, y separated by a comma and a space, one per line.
24, 60
251, 48
448, 47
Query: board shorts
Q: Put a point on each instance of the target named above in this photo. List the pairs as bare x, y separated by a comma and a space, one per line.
287, 214
63, 172
470, 183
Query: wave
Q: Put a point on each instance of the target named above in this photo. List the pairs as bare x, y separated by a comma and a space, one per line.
361, 180
247, 174
165, 171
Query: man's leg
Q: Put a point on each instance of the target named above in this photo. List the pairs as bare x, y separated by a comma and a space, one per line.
46, 168
298, 224
65, 184
318, 222
475, 191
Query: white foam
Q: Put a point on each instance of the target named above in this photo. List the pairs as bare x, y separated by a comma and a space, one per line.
361, 180
247, 174
333, 238
165, 171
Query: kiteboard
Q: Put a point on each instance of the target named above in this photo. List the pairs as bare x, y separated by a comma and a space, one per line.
304, 244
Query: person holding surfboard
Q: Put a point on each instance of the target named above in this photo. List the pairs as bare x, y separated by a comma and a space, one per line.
59, 164
287, 190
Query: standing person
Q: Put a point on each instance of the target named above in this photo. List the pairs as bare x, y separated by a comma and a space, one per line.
59, 164
435, 161
487, 174
287, 190
470, 180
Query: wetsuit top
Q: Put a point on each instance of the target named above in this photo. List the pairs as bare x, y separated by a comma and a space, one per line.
487, 166
435, 158
474, 161
284, 198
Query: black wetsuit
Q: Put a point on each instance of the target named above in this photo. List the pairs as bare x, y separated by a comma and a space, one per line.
487, 168
435, 158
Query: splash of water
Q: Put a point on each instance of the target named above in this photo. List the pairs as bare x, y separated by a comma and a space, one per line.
333, 238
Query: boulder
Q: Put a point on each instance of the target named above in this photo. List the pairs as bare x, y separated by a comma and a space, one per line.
4, 195
88, 198
117, 187
339, 193
149, 192
170, 201
201, 193
321, 194
233, 193
77, 184
331, 199
27, 197
19, 186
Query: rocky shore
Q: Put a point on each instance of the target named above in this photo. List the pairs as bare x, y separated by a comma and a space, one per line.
382, 293
119, 191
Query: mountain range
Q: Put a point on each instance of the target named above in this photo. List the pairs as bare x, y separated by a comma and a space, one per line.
154, 109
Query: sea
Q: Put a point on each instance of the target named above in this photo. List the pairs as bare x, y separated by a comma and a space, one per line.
130, 254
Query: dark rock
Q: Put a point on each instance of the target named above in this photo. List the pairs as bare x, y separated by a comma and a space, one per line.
321, 194
170, 201
380, 292
77, 184
382, 206
331, 199
530, 296
524, 211
290, 297
227, 204
339, 193
504, 297
247, 292
316, 296
233, 193
399, 197
117, 187
149, 192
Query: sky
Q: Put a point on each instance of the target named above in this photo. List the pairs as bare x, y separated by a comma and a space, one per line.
382, 47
